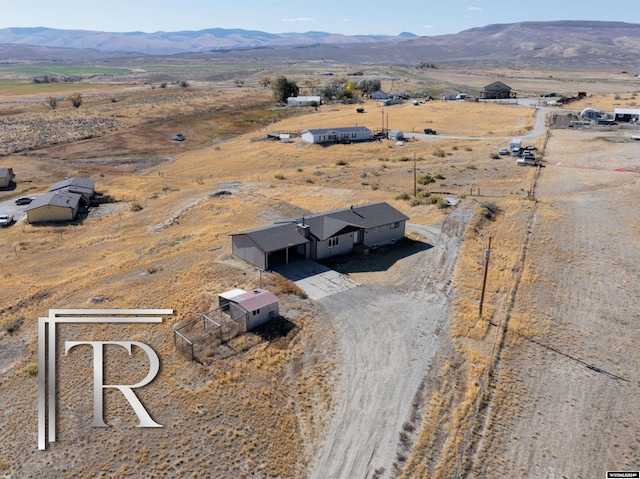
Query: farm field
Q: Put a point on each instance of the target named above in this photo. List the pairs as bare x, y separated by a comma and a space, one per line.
396, 378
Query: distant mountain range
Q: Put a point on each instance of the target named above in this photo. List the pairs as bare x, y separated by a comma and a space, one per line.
562, 43
168, 43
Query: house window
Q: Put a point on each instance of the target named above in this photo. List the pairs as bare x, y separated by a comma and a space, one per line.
353, 135
395, 225
256, 312
334, 241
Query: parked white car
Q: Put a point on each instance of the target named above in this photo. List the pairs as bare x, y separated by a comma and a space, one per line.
6, 220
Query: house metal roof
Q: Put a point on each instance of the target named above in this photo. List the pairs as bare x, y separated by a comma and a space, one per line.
497, 86
6, 172
346, 129
325, 225
275, 237
62, 198
84, 185
255, 299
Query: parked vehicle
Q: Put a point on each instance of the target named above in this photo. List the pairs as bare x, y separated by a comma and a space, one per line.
25, 200
531, 147
6, 220
430, 131
503, 151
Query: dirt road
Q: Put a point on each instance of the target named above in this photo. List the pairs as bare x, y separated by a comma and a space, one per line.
566, 397
388, 333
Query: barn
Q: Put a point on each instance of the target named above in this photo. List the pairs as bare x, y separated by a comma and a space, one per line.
61, 205
6, 177
82, 186
336, 135
320, 236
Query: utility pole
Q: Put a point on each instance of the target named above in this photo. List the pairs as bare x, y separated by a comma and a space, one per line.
487, 253
415, 182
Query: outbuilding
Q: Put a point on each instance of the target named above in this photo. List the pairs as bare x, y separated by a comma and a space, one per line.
6, 177
627, 115
396, 135
379, 95
61, 205
82, 186
261, 306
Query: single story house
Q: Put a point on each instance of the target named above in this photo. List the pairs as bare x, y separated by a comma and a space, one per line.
336, 135
496, 91
6, 177
320, 236
60, 205
304, 101
83, 186
626, 114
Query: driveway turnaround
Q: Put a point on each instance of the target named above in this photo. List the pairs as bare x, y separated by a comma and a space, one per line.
315, 279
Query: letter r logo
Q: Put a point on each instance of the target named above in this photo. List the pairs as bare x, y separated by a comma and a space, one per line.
126, 390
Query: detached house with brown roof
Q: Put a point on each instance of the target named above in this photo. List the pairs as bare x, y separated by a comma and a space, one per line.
496, 91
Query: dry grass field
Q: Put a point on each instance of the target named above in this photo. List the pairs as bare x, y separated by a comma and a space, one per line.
553, 350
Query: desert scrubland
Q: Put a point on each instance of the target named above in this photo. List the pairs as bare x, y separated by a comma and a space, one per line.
399, 377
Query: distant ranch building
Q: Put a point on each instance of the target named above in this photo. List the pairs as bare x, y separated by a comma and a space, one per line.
626, 114
6, 177
336, 135
82, 186
303, 101
497, 91
320, 236
61, 205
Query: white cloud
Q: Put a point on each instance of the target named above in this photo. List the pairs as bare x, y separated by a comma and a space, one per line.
428, 27
346, 19
475, 9
299, 19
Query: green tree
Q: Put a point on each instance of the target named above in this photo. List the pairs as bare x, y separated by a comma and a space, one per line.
75, 98
283, 88
239, 82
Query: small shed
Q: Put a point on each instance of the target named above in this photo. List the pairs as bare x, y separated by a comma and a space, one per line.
285, 138
261, 306
6, 177
396, 135
448, 97
61, 205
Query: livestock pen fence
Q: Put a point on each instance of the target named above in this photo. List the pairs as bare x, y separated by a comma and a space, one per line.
198, 337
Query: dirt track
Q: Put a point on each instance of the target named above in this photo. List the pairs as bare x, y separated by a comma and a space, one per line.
570, 407
388, 334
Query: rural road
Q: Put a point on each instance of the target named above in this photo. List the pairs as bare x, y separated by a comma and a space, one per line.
538, 130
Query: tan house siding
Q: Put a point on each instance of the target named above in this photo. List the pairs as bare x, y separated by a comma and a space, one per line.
50, 213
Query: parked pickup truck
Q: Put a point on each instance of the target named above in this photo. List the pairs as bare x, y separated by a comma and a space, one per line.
429, 131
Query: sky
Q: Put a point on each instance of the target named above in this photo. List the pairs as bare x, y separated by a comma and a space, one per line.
350, 17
